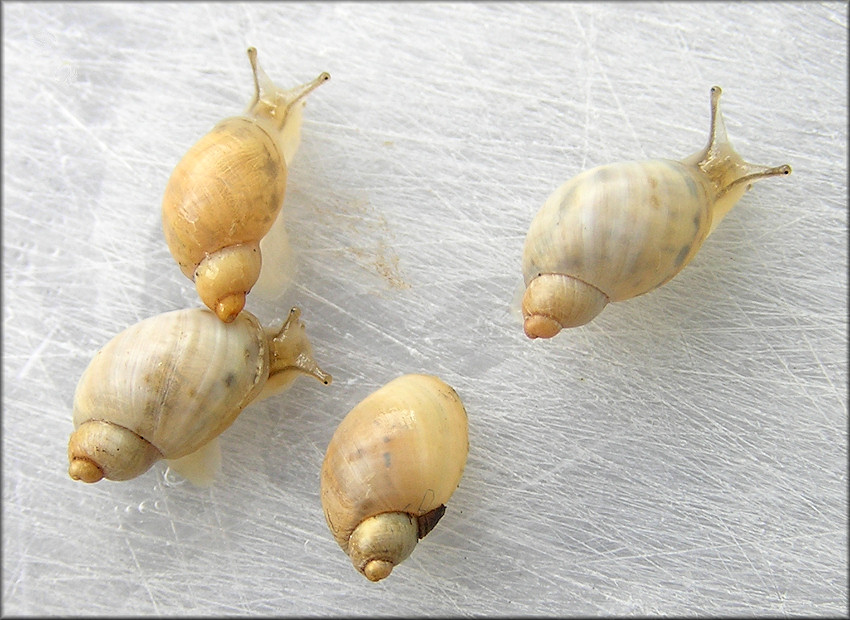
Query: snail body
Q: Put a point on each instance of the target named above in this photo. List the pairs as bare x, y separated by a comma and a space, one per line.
390, 467
167, 386
621, 230
227, 191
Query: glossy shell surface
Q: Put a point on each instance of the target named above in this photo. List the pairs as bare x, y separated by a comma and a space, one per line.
625, 228
227, 190
401, 449
177, 380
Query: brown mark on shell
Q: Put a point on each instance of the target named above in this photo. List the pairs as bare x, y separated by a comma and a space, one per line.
425, 523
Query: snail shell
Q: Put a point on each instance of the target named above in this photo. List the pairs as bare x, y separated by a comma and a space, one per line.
227, 191
390, 468
168, 385
621, 230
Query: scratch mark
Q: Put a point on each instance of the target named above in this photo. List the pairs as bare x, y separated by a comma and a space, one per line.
36, 355
67, 114
360, 319
142, 576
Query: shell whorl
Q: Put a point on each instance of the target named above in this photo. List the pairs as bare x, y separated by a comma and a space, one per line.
175, 380
554, 301
224, 278
227, 189
400, 451
623, 228
100, 449
224, 195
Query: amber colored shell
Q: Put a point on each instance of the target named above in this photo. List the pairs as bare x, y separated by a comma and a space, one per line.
401, 449
227, 190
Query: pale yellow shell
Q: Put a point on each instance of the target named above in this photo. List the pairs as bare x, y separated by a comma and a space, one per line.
390, 467
166, 386
227, 191
621, 230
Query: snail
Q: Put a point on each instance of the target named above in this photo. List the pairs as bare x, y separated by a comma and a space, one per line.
390, 467
168, 386
227, 191
621, 230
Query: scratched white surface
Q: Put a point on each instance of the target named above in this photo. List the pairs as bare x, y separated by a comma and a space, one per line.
685, 453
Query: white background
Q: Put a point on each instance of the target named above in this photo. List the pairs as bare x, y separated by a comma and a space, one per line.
685, 453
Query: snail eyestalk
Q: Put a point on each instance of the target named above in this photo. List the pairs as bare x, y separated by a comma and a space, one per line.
729, 174
290, 354
757, 172
277, 106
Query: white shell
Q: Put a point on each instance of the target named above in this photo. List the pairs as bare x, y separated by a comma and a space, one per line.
168, 385
621, 230
177, 379
625, 228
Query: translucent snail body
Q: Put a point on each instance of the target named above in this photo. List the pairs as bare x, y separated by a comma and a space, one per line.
227, 191
621, 230
390, 467
167, 386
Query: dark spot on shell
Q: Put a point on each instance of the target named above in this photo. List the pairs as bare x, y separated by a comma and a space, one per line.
386, 439
566, 201
683, 253
274, 202
692, 187
271, 168
387, 460
230, 379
